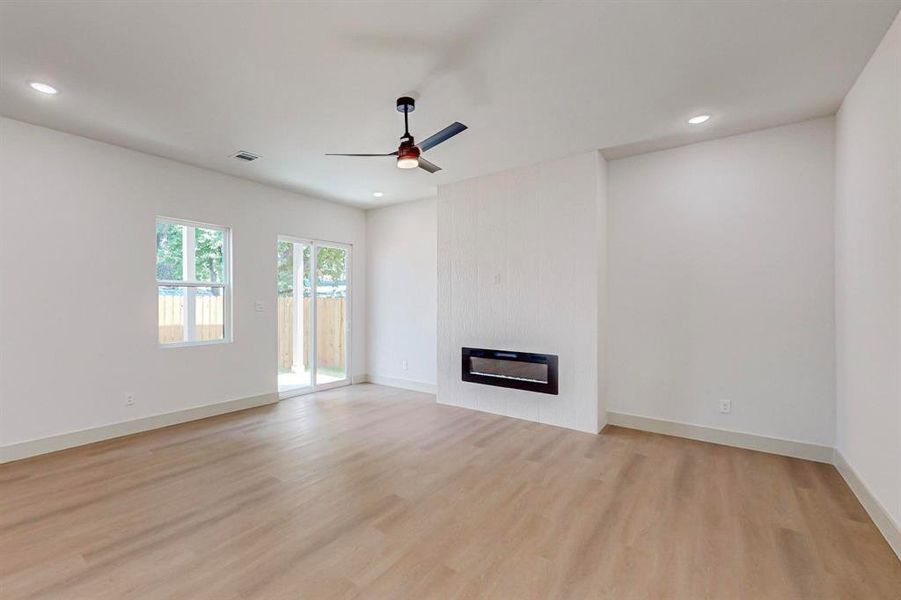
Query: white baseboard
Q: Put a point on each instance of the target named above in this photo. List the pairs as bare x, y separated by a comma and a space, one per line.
890, 529
407, 384
63, 441
738, 439
880, 516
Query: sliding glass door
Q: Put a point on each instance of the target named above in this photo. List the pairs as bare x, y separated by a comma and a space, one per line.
313, 324
331, 313
295, 322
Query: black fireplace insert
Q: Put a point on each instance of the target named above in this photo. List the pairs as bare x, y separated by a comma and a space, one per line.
505, 368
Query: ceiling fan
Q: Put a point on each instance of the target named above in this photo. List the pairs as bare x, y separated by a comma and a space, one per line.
409, 154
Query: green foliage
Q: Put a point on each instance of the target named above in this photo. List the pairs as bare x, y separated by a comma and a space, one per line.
285, 269
209, 260
331, 265
169, 239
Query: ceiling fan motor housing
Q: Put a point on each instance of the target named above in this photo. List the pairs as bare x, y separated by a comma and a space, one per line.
408, 150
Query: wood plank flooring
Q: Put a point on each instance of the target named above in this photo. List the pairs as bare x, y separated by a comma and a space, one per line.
374, 492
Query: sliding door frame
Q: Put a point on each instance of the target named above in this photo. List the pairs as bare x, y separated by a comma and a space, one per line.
348, 312
348, 306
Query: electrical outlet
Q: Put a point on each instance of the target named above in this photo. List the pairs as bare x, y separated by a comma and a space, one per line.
129, 399
403, 364
259, 306
726, 406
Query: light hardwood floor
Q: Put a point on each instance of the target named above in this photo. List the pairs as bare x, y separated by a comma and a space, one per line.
375, 492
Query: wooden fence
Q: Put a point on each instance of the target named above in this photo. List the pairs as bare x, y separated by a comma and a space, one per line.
207, 315
330, 335
330, 339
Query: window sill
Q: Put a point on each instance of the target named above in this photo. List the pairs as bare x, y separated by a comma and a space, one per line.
190, 344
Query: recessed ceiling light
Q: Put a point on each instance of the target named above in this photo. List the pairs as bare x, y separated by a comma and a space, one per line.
44, 88
378, 194
699, 119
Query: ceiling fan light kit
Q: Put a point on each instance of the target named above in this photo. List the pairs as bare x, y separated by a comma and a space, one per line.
409, 153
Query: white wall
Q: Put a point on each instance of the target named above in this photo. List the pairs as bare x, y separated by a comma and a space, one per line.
721, 283
78, 302
868, 275
602, 271
402, 306
517, 270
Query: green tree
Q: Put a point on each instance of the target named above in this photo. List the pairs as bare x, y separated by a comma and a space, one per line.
285, 269
208, 254
209, 263
169, 240
332, 265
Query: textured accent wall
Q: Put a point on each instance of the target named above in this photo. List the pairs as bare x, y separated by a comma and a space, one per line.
518, 269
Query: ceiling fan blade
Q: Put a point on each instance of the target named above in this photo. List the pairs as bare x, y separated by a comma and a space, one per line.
442, 136
428, 166
332, 154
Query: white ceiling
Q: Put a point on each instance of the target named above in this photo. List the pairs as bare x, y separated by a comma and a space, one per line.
197, 81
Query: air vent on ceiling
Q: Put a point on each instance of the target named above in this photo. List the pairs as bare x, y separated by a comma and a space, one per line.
245, 156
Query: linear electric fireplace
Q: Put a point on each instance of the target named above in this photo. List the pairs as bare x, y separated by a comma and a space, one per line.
505, 368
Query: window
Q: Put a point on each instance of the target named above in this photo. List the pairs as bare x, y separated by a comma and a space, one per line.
193, 282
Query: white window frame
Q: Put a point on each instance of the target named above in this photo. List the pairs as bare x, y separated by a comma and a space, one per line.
191, 284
